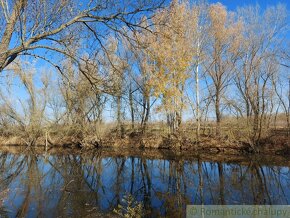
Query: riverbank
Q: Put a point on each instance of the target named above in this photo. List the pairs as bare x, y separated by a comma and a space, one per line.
210, 145
279, 145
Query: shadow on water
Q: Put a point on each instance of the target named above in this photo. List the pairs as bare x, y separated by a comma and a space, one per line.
89, 184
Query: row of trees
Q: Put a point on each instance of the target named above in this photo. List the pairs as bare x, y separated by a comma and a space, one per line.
187, 55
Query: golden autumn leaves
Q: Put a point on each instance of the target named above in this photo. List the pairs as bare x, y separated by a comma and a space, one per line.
170, 53
172, 50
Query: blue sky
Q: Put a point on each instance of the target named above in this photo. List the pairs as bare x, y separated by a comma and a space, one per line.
233, 4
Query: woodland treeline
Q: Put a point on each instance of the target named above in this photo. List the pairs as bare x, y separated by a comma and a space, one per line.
87, 68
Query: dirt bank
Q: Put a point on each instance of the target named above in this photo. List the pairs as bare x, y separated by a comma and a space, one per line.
279, 145
210, 145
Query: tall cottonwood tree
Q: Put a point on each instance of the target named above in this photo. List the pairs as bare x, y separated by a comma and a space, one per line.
141, 54
222, 51
199, 41
116, 65
262, 37
171, 57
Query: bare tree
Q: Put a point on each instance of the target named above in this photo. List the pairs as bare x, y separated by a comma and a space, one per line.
223, 51
262, 40
52, 25
28, 115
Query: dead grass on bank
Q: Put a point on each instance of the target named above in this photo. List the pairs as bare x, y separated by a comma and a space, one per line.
235, 137
56, 135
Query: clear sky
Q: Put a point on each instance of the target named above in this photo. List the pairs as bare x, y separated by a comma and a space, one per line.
233, 4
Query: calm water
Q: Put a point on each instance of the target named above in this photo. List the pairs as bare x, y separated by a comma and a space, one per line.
93, 184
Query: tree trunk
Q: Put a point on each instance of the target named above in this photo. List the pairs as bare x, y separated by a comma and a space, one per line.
5, 57
218, 114
197, 93
256, 127
131, 108
120, 128
197, 103
145, 113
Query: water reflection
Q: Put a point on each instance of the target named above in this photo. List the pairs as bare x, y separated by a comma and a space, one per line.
94, 183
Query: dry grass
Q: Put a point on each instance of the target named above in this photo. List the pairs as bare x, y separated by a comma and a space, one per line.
234, 133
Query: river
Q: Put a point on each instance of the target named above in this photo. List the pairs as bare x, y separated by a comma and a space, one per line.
93, 183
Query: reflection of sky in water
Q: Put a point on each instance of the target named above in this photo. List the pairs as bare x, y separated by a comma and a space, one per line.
80, 185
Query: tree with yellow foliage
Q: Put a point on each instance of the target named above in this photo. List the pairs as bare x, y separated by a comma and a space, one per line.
171, 57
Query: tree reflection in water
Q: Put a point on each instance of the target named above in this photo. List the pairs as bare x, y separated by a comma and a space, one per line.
94, 184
